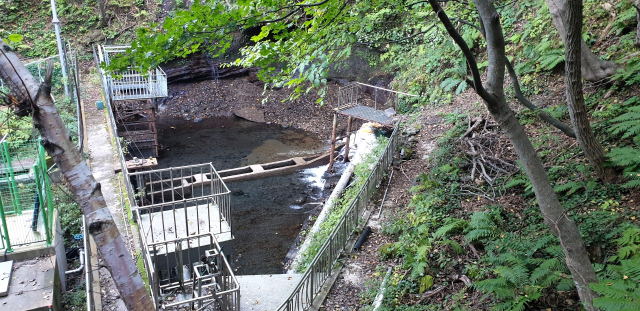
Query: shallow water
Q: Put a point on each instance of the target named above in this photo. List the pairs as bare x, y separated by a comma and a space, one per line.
268, 215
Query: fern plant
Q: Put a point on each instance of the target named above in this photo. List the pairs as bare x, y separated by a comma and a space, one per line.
619, 285
521, 277
549, 57
628, 125
455, 77
482, 227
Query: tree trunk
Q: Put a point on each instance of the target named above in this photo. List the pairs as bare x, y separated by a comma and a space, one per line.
575, 99
56, 141
103, 14
593, 68
638, 23
554, 215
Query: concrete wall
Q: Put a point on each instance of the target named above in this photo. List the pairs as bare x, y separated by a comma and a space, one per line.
61, 255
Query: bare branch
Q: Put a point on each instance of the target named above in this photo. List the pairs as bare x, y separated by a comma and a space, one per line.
465, 50
567, 130
399, 40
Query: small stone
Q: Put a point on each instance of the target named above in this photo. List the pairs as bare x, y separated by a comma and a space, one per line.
390, 112
300, 199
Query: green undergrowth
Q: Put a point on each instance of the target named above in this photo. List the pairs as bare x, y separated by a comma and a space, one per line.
79, 22
435, 67
69, 212
75, 299
521, 264
360, 174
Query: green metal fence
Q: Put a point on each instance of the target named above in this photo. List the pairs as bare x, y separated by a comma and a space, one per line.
26, 202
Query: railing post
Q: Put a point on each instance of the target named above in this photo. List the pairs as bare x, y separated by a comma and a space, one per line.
45, 216
15, 198
5, 229
47, 184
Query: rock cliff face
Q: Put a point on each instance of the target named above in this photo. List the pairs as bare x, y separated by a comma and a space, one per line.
201, 67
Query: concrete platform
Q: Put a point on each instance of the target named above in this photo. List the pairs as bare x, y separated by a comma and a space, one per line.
182, 223
265, 292
32, 285
20, 232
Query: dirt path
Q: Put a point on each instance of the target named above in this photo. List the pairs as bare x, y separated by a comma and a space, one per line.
102, 160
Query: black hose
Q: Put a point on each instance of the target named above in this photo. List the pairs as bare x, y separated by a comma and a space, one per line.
362, 238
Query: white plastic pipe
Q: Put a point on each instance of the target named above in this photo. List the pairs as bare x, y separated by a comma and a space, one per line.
380, 296
81, 264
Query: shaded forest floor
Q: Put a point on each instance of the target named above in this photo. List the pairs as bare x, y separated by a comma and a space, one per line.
433, 136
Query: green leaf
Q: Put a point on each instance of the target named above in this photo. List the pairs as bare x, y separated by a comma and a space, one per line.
14, 37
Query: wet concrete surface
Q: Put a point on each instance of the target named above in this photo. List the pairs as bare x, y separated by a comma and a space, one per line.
267, 214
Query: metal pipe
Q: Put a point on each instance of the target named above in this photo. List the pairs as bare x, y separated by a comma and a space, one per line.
379, 297
381, 88
362, 239
56, 24
385, 193
76, 79
81, 253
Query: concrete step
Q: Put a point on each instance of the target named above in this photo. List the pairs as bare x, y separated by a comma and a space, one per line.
265, 292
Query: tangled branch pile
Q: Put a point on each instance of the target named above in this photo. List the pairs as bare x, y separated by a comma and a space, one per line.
490, 157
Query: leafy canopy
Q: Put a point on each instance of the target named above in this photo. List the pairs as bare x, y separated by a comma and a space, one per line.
291, 42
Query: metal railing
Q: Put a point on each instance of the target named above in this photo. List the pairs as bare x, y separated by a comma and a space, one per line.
180, 201
25, 195
132, 84
350, 95
227, 295
320, 268
123, 166
197, 266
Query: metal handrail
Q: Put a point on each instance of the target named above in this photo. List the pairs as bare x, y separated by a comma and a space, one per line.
88, 273
319, 271
98, 57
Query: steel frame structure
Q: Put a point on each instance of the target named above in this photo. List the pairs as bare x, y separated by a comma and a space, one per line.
131, 83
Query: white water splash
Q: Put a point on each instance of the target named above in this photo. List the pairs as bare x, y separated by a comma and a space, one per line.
313, 176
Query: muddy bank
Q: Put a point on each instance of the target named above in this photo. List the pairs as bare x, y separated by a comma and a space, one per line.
267, 214
245, 98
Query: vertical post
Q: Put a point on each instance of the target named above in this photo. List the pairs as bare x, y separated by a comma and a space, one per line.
46, 184
5, 229
56, 24
15, 198
333, 141
375, 99
346, 147
39, 183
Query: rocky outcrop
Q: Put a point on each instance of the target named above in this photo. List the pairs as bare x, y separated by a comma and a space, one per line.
201, 67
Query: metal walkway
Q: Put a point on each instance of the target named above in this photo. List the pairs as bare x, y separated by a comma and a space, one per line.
366, 113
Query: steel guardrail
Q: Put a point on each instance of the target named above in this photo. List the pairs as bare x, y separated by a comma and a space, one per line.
319, 271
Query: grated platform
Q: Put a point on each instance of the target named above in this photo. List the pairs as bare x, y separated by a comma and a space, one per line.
366, 113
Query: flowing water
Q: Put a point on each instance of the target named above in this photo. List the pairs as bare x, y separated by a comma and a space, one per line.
267, 214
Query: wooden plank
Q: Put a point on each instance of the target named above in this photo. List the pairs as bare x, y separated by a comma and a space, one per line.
132, 165
299, 161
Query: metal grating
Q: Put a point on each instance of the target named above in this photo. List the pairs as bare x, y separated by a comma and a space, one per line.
132, 84
366, 113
